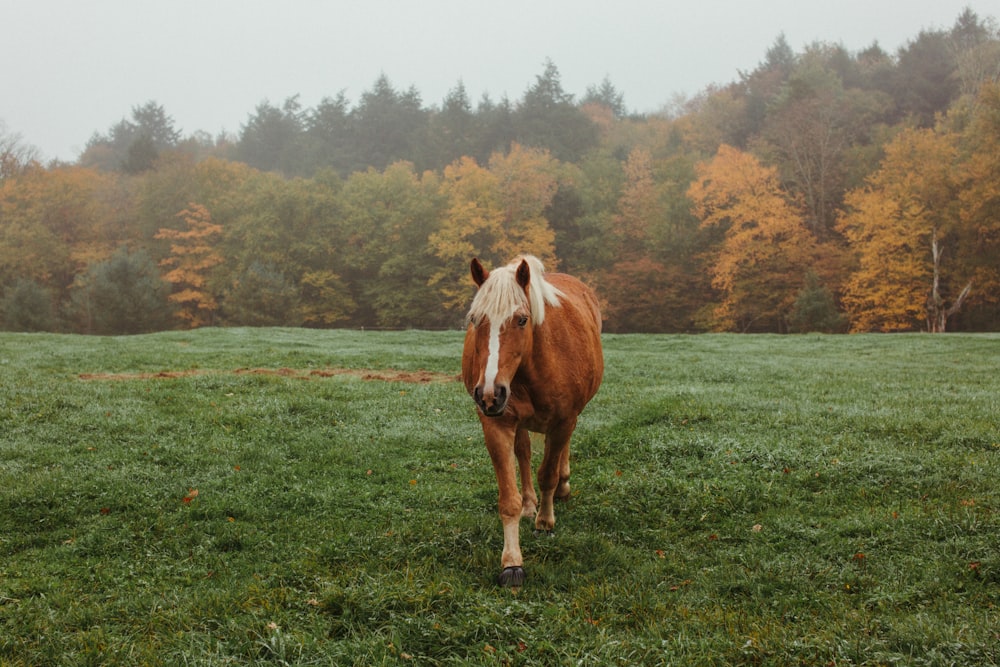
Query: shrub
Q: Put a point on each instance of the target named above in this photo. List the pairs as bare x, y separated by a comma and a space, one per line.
27, 306
122, 295
815, 309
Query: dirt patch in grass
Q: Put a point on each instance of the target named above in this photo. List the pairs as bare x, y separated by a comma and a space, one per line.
385, 375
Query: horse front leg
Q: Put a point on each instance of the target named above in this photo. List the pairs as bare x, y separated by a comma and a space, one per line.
553, 474
522, 450
500, 442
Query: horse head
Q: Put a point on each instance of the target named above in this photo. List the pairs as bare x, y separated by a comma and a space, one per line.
500, 333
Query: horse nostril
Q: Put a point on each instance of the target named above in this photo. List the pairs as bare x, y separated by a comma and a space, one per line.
502, 394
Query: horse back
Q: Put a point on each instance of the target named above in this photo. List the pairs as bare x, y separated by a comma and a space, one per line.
567, 358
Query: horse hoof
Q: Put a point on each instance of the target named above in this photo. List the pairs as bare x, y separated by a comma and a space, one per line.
511, 577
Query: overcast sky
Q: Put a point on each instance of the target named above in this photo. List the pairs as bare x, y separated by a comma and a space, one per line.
73, 67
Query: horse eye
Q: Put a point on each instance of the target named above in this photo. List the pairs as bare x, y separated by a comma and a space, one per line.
523, 321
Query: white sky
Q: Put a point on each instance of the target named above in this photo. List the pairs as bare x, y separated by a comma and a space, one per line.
75, 67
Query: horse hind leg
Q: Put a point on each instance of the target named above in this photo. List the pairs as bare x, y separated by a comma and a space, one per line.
522, 450
562, 489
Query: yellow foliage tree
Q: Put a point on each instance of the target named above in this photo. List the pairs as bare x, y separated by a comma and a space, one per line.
766, 250
902, 227
495, 214
193, 255
56, 222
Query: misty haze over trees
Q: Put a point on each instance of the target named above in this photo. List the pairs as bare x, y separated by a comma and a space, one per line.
823, 191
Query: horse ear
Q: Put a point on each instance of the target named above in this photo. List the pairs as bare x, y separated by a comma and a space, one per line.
479, 274
523, 274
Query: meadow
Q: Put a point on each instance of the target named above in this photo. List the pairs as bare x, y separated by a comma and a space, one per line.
285, 496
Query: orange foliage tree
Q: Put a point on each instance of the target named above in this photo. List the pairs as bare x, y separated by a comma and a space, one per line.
902, 226
193, 255
766, 251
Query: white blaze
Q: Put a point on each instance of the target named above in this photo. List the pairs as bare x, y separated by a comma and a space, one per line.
493, 361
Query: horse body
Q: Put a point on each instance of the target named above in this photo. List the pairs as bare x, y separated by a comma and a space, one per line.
532, 360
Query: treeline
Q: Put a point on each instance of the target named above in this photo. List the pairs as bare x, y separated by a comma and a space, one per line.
824, 190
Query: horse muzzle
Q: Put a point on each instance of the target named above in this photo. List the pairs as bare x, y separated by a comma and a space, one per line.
491, 403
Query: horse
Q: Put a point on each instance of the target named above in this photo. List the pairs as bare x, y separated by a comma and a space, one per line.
531, 360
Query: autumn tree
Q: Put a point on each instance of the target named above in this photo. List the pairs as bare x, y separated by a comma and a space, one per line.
903, 227
766, 250
193, 256
493, 213
56, 222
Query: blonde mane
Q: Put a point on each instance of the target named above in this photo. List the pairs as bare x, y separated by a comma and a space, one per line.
500, 296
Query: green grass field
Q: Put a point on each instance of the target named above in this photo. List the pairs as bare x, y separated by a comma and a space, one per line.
223, 497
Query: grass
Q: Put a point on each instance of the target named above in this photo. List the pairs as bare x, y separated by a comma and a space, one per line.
737, 500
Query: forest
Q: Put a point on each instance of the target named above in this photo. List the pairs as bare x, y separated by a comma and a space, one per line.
825, 190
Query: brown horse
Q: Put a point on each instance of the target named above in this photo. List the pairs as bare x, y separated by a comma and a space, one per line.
532, 360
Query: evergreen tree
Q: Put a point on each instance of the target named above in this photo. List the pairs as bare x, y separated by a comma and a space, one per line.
815, 310
548, 119
27, 306
122, 295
